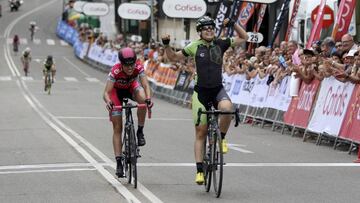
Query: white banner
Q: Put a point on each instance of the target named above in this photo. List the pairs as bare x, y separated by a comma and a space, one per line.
259, 92
235, 89
331, 105
278, 96
227, 82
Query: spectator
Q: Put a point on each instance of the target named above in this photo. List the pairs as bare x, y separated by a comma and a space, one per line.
347, 42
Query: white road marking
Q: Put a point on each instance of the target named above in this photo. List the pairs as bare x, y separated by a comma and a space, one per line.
101, 118
237, 147
50, 170
63, 43
256, 164
76, 67
71, 79
50, 42
27, 78
92, 79
23, 41
37, 41
5, 78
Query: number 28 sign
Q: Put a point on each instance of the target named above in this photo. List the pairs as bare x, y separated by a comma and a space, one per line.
255, 37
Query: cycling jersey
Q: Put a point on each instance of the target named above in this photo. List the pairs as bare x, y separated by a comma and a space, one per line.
121, 79
124, 85
208, 60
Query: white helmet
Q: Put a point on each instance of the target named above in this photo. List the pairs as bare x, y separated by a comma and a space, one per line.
27, 50
32, 23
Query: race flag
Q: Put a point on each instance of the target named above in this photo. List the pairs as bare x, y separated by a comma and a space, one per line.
343, 19
233, 15
260, 18
316, 28
246, 11
223, 12
279, 21
292, 20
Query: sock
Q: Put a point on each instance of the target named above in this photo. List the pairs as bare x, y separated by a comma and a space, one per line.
199, 167
223, 135
140, 128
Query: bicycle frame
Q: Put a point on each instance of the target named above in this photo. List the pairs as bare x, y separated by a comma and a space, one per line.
129, 142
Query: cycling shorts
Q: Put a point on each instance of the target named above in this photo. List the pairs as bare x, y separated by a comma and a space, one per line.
202, 96
118, 94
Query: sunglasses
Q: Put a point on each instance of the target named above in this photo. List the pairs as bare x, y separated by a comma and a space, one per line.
208, 27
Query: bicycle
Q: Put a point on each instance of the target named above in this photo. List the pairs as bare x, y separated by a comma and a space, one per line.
130, 148
48, 82
213, 160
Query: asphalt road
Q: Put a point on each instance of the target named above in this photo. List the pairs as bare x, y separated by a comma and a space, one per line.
58, 147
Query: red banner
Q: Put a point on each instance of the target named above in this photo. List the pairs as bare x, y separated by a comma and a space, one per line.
292, 20
300, 107
316, 28
343, 19
350, 127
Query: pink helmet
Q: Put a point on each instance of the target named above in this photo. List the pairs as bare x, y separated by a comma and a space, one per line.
127, 56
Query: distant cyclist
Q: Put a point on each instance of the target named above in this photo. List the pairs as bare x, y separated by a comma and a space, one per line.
25, 60
32, 29
16, 43
208, 52
49, 66
126, 79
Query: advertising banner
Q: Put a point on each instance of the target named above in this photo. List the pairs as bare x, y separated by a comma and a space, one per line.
330, 108
350, 127
299, 110
236, 87
316, 28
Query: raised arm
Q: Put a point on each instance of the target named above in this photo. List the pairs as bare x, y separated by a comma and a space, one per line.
170, 53
241, 33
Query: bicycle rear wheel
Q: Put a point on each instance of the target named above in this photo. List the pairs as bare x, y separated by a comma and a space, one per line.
49, 84
133, 156
217, 161
207, 166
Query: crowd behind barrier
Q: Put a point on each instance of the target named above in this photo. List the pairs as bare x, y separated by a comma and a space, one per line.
327, 99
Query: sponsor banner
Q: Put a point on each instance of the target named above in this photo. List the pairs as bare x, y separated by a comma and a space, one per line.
299, 110
260, 17
343, 19
233, 15
316, 28
330, 108
350, 127
292, 19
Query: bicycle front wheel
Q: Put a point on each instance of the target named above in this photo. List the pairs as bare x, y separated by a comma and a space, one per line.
218, 162
207, 166
133, 157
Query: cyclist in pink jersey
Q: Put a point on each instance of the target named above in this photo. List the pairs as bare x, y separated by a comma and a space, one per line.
126, 79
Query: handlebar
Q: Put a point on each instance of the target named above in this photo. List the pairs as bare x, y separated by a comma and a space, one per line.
219, 112
133, 106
